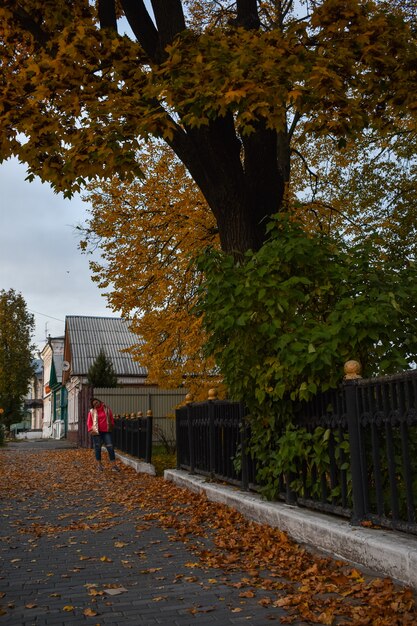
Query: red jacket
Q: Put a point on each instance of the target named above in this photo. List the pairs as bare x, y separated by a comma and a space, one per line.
105, 419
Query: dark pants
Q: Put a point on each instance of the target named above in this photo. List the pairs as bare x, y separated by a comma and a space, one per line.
98, 440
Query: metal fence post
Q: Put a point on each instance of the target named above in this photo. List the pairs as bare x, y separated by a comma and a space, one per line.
358, 495
190, 436
177, 438
149, 431
243, 448
212, 396
116, 431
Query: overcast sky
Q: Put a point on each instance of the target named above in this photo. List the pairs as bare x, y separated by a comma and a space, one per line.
39, 254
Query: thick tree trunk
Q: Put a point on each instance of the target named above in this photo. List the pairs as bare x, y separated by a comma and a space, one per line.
240, 227
243, 180
244, 185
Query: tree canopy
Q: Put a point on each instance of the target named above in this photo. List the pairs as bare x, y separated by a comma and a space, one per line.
226, 87
16, 354
369, 188
147, 232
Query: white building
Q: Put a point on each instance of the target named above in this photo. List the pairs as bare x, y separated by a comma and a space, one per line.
54, 395
34, 400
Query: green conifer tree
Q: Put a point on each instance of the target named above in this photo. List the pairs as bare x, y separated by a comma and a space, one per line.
101, 372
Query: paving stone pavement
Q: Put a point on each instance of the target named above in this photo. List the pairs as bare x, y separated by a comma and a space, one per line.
60, 566
78, 546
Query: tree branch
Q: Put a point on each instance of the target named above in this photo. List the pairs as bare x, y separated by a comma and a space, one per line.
329, 207
295, 120
107, 14
310, 172
143, 27
285, 9
247, 14
170, 20
26, 22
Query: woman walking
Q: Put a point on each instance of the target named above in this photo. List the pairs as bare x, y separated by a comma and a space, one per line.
100, 423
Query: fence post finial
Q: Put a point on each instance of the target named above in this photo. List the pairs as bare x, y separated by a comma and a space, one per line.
352, 370
212, 394
188, 398
149, 413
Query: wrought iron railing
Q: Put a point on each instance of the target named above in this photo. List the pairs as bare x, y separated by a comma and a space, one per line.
133, 435
386, 413
325, 483
370, 469
211, 440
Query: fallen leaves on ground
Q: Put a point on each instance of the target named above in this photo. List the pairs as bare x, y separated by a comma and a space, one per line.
308, 586
90, 612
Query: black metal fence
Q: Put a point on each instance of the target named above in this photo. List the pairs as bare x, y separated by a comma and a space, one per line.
210, 440
366, 470
384, 476
134, 436
323, 474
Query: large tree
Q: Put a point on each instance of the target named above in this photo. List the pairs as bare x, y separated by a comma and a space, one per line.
224, 85
147, 232
16, 354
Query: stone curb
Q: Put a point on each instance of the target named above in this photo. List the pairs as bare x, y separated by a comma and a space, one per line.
389, 553
139, 466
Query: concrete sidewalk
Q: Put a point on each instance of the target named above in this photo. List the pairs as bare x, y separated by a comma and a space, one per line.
389, 553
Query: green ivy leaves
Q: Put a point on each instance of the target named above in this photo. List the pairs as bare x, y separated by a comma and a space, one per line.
282, 323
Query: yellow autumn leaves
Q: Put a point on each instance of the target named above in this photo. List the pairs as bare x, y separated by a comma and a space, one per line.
345, 67
148, 232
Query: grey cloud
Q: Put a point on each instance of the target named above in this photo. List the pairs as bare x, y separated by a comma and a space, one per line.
39, 255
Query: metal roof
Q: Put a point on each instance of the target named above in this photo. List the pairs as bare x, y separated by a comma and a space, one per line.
88, 335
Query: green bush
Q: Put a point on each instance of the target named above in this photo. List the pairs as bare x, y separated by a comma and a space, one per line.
283, 322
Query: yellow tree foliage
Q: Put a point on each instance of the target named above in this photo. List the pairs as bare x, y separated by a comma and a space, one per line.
226, 91
147, 232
